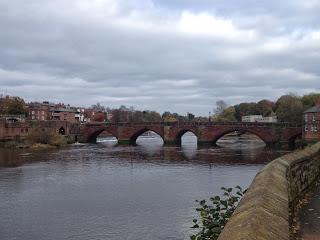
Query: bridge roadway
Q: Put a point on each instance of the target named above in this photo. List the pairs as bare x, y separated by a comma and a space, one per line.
206, 132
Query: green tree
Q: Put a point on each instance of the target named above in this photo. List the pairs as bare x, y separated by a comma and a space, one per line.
310, 100
244, 109
289, 108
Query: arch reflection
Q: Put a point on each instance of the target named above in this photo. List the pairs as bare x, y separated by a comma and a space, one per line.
240, 140
107, 139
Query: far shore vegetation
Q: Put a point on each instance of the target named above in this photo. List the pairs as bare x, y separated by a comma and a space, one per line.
287, 108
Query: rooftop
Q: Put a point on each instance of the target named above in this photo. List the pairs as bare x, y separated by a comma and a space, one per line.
314, 109
62, 110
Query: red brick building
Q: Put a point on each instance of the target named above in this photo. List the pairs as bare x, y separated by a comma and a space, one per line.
39, 111
65, 114
49, 111
311, 119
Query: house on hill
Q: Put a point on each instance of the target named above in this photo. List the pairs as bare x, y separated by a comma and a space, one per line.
311, 122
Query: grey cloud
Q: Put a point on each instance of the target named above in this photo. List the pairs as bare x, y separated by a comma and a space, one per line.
135, 55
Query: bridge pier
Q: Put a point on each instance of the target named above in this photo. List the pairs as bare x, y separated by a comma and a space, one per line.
125, 142
171, 143
206, 143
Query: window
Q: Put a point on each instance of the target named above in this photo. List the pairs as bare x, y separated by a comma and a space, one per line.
315, 128
306, 128
313, 117
311, 128
32, 112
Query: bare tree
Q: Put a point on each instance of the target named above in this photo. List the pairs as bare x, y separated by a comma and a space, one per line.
220, 107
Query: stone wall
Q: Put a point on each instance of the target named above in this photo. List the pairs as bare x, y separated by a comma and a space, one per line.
19, 130
265, 210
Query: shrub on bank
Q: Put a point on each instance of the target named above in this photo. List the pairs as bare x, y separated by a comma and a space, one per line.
46, 137
215, 215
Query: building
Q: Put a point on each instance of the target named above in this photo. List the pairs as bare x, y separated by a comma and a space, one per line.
311, 120
259, 118
39, 111
46, 111
65, 114
89, 115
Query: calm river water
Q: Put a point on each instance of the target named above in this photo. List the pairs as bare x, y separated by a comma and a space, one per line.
113, 192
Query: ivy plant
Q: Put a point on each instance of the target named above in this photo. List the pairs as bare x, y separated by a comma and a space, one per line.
215, 213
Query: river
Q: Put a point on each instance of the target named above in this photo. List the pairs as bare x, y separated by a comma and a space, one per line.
105, 191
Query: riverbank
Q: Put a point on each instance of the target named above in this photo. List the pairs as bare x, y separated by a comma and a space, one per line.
267, 209
27, 145
40, 140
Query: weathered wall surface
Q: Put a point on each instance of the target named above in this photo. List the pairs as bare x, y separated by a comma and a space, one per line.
264, 211
19, 130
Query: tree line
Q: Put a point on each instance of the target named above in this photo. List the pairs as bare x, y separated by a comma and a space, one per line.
288, 108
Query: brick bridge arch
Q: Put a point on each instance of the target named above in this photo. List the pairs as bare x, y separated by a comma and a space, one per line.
264, 135
125, 133
90, 132
182, 131
142, 130
207, 133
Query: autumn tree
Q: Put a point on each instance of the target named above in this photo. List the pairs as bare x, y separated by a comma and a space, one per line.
227, 115
99, 117
14, 106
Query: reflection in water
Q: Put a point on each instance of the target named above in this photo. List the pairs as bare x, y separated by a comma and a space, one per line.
236, 140
189, 145
106, 191
150, 143
108, 141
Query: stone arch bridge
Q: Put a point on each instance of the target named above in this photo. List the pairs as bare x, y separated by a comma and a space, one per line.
206, 132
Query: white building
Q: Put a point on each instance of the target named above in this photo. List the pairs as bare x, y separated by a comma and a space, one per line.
259, 118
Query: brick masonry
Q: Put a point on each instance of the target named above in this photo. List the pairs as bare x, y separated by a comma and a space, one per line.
19, 130
207, 133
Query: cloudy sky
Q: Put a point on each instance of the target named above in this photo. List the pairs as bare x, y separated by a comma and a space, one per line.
176, 55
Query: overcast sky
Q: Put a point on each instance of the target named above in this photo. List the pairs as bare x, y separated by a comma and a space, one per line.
176, 55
